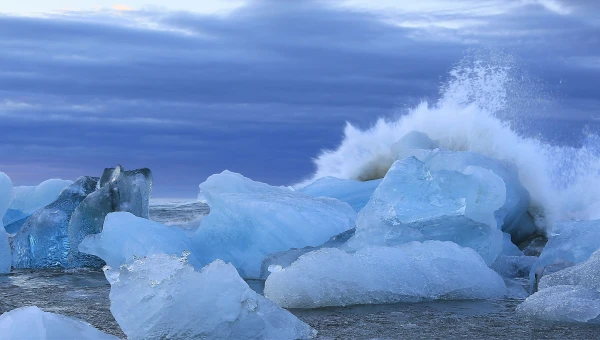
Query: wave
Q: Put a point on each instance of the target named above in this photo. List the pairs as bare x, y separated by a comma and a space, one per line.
479, 109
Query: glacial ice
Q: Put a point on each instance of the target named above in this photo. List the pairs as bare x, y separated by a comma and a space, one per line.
31, 323
572, 242
161, 297
512, 263
568, 295
355, 193
249, 220
6, 196
126, 237
43, 241
512, 217
410, 272
414, 203
28, 199
117, 190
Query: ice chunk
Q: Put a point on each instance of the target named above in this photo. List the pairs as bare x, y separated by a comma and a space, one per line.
414, 203
563, 304
28, 199
513, 266
249, 220
355, 193
373, 275
571, 294
586, 274
285, 258
512, 217
31, 323
42, 242
6, 193
512, 263
118, 190
6, 196
572, 243
161, 297
126, 236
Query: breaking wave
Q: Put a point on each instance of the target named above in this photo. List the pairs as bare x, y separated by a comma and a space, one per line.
479, 109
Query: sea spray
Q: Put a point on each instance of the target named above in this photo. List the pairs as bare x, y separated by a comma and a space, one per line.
481, 108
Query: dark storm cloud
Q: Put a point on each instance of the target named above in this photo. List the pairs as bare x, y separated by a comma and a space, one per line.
258, 91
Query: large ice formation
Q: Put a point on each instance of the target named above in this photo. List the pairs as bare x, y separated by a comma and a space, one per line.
571, 243
31, 323
43, 240
410, 272
126, 237
162, 297
415, 203
28, 199
249, 220
118, 190
6, 196
568, 295
355, 193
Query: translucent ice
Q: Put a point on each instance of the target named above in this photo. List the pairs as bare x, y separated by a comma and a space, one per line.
31, 323
355, 193
118, 190
512, 217
43, 240
126, 236
409, 272
414, 203
249, 220
161, 297
512, 263
28, 199
572, 242
6, 196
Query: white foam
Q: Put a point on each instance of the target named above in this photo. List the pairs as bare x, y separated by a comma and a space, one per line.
466, 117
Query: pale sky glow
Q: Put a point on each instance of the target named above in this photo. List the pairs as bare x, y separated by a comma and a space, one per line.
40, 7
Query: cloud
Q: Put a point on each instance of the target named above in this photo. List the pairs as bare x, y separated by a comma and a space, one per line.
122, 8
259, 90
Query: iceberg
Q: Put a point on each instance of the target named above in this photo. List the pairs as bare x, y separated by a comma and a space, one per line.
117, 190
512, 217
162, 297
414, 203
31, 323
572, 242
28, 199
355, 193
6, 196
568, 295
126, 237
249, 220
43, 241
374, 275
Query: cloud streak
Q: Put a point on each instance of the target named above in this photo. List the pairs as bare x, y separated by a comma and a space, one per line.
259, 90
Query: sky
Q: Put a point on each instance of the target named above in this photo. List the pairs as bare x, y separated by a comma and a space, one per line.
191, 88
